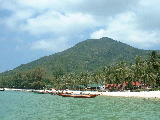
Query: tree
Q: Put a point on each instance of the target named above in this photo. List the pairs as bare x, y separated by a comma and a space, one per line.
121, 73
58, 72
153, 59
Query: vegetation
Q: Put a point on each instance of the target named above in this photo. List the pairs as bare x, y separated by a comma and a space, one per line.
101, 61
87, 56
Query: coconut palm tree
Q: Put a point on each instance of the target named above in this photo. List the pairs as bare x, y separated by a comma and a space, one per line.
121, 73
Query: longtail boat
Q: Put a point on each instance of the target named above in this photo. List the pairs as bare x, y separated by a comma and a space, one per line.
84, 96
40, 92
2, 89
67, 95
78, 95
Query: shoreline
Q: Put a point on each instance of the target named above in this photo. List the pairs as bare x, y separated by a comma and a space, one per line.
142, 94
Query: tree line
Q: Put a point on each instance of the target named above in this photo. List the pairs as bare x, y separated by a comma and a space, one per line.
146, 71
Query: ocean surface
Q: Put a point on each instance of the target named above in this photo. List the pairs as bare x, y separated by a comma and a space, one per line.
22, 105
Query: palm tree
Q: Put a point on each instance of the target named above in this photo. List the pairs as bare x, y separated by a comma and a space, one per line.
153, 59
122, 73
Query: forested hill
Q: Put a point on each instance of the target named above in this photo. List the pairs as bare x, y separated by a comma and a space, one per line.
89, 55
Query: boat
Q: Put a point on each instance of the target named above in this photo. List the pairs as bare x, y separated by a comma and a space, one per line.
2, 89
40, 92
84, 96
67, 95
78, 95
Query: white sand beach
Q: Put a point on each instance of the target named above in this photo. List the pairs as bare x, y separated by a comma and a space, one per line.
144, 94
150, 94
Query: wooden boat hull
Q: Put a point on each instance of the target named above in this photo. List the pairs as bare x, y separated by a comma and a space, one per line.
85, 96
67, 95
78, 95
40, 92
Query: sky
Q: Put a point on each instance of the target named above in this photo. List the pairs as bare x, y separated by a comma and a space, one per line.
31, 29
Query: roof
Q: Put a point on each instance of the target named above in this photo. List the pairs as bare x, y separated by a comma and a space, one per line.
49, 85
108, 85
125, 84
70, 86
94, 85
80, 86
136, 83
113, 85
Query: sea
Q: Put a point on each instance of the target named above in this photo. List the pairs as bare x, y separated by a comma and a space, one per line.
23, 105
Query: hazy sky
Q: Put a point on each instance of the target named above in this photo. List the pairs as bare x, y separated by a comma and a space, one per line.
30, 29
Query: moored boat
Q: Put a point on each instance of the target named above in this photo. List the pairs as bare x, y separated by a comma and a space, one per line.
40, 92
2, 89
84, 96
67, 95
79, 95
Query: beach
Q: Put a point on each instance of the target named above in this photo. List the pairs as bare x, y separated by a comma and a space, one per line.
143, 94
150, 94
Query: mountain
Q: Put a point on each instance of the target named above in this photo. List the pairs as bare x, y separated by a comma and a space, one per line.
87, 56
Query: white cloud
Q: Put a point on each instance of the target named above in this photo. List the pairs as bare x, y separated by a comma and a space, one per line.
17, 18
61, 24
24, 14
132, 22
8, 5
54, 45
49, 26
148, 15
124, 28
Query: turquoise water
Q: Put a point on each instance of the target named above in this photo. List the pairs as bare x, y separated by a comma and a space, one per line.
21, 105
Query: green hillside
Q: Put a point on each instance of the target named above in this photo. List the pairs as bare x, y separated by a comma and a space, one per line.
94, 61
90, 55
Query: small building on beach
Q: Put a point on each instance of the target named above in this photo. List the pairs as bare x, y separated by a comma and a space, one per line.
95, 86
